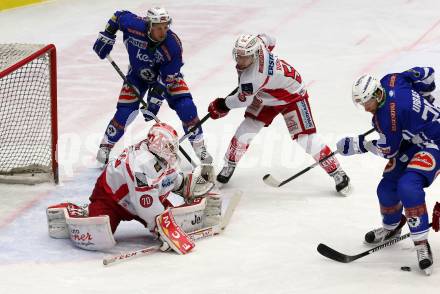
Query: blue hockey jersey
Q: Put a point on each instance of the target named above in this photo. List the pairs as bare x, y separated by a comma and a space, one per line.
406, 115
150, 61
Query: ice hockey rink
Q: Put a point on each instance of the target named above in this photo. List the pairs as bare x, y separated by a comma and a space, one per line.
270, 243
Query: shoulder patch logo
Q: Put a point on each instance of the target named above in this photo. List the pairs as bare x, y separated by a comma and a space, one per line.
247, 89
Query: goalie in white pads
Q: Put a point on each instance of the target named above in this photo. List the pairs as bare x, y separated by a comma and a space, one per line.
269, 86
135, 186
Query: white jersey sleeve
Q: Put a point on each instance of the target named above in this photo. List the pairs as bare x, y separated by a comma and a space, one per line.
268, 41
269, 79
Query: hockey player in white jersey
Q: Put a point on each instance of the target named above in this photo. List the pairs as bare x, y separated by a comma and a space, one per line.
269, 86
136, 186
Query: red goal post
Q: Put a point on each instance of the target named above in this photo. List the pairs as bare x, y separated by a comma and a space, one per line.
28, 113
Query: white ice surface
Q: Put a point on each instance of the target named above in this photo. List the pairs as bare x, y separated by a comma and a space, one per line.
270, 245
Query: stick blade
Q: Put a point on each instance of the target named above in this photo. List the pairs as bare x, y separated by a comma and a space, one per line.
233, 202
271, 181
328, 252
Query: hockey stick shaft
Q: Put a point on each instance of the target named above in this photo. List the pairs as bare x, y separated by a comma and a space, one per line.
268, 177
121, 74
196, 235
344, 258
202, 121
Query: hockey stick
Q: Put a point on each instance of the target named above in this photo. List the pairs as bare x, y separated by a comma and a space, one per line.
271, 181
198, 124
196, 235
121, 74
344, 258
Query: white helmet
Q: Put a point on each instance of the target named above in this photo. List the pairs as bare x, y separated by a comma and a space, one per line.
365, 88
158, 15
246, 45
163, 141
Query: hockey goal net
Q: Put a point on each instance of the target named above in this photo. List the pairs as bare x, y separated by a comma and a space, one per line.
28, 113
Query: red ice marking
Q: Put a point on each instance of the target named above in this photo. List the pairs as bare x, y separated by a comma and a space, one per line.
362, 40
15, 214
395, 52
310, 83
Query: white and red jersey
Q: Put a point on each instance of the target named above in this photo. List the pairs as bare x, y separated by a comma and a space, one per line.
269, 79
140, 182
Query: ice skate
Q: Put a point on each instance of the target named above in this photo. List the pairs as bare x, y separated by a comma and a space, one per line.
342, 182
381, 235
225, 174
424, 255
104, 153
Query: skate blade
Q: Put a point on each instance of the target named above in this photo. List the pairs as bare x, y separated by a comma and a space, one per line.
428, 271
345, 191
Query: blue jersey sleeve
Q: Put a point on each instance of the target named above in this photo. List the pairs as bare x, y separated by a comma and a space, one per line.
421, 79
387, 123
126, 21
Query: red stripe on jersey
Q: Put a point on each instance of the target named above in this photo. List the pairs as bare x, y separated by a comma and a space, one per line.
127, 166
119, 194
282, 94
144, 189
178, 87
127, 97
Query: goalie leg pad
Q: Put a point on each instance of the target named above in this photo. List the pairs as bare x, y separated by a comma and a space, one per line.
190, 217
91, 233
56, 218
172, 235
212, 212
201, 213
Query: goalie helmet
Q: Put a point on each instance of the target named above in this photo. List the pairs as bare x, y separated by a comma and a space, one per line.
246, 45
158, 15
163, 141
365, 88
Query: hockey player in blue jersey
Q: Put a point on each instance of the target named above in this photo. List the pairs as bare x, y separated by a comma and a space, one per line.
409, 128
155, 56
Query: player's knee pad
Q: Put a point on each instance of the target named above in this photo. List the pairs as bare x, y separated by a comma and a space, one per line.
390, 204
387, 192
410, 189
184, 107
67, 220
91, 233
248, 129
124, 115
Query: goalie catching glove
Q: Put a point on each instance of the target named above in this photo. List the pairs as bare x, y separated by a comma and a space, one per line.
194, 184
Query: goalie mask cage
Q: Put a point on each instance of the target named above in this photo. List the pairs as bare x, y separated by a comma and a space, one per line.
28, 113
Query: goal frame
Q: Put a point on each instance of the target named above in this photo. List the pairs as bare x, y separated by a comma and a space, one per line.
51, 50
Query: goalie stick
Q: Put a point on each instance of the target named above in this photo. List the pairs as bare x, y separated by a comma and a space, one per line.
196, 235
344, 258
271, 181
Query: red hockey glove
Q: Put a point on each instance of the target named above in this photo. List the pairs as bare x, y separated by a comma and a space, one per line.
218, 108
436, 217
